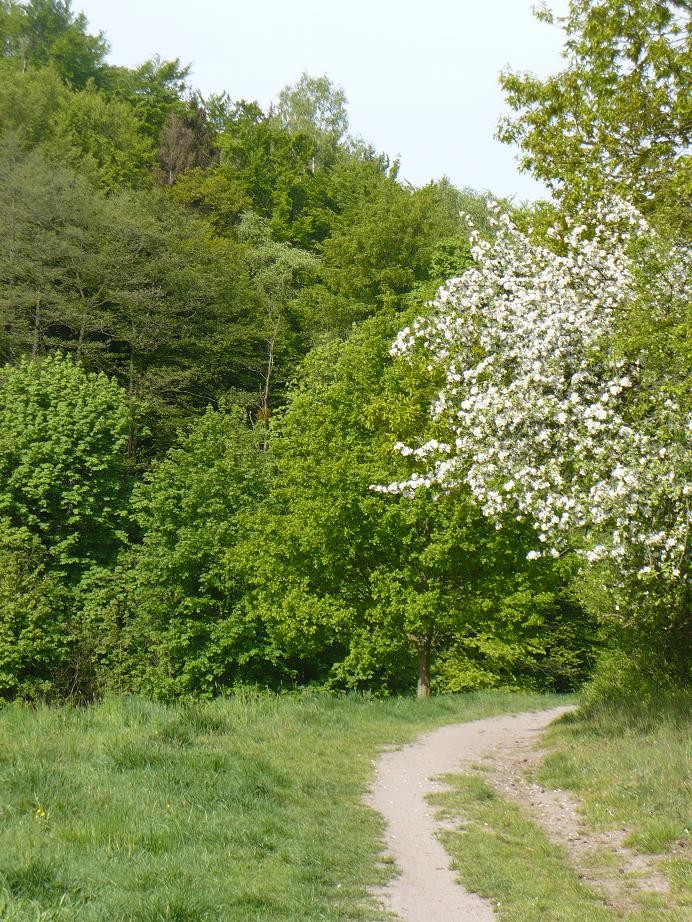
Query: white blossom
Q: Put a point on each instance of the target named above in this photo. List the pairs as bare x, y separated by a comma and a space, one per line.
535, 400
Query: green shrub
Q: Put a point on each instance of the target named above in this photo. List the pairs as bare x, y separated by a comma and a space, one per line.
34, 618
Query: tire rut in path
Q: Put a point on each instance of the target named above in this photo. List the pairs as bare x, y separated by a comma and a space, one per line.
426, 889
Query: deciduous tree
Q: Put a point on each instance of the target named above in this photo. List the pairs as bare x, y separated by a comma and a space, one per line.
544, 413
367, 590
618, 117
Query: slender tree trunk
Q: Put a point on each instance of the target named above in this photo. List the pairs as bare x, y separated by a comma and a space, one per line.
424, 669
82, 330
82, 334
264, 411
131, 372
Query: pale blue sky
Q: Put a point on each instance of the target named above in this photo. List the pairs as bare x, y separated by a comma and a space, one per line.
420, 75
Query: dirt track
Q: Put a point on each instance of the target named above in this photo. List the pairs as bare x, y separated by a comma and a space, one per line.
426, 889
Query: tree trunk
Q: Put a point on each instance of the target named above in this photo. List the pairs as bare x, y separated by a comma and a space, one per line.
424, 670
264, 411
82, 334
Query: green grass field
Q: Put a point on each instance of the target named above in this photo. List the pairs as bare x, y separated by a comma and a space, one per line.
630, 765
240, 809
250, 808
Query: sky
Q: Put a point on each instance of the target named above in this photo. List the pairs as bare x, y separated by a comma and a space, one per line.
420, 75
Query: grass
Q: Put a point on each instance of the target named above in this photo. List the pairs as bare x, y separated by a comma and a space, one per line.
628, 763
504, 857
240, 809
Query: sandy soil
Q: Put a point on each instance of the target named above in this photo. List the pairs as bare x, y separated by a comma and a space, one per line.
427, 890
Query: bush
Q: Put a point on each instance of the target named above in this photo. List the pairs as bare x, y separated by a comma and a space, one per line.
34, 619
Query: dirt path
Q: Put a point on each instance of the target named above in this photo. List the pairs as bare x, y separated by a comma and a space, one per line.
426, 889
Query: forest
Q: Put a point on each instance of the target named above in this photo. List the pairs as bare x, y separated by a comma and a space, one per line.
271, 417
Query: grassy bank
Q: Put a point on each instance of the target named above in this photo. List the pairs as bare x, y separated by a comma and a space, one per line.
629, 763
628, 766
505, 857
243, 809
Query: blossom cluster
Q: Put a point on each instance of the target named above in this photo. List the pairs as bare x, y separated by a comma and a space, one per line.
540, 415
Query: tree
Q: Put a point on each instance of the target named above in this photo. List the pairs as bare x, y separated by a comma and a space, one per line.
365, 590
272, 168
52, 223
189, 633
617, 118
30, 101
62, 461
382, 244
99, 136
545, 415
46, 32
108, 139
187, 141
131, 283
64, 520
277, 270
35, 616
313, 105
155, 89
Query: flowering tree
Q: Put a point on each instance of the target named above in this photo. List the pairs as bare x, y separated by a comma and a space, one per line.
541, 413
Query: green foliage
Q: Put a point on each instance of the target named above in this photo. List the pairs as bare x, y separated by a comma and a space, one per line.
313, 104
271, 167
30, 102
62, 460
617, 118
189, 633
109, 137
131, 284
383, 245
51, 223
356, 586
194, 251
34, 617
215, 194
65, 513
46, 32
278, 272
647, 630
154, 89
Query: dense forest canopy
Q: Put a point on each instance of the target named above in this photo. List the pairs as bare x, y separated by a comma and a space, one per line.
200, 407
